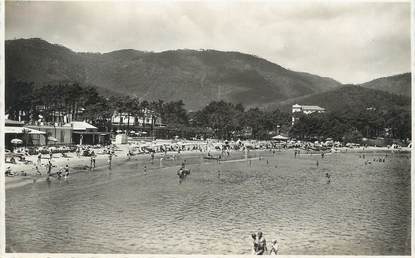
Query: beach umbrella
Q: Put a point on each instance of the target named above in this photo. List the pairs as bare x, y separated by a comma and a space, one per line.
52, 139
16, 141
280, 137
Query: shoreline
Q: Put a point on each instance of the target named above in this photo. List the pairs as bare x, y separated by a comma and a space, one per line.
81, 164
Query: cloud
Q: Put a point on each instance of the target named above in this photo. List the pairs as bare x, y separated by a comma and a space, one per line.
350, 42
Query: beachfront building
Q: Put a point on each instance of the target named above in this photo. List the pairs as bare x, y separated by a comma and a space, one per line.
53, 134
147, 118
304, 109
48, 117
85, 133
16, 130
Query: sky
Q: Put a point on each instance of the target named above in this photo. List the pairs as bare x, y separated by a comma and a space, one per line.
351, 42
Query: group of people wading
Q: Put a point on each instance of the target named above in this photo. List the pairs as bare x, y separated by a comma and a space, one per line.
260, 245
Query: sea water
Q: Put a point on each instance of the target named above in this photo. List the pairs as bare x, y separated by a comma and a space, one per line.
363, 209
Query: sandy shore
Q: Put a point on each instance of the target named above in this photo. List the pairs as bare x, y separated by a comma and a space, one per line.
26, 173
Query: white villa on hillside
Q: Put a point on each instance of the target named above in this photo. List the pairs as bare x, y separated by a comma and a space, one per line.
305, 110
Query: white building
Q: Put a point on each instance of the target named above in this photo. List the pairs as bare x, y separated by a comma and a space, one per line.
305, 110
146, 119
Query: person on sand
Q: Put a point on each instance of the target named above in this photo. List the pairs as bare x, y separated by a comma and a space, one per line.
274, 247
39, 158
37, 170
9, 172
60, 171
262, 244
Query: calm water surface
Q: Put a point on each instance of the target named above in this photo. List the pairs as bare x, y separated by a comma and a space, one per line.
364, 210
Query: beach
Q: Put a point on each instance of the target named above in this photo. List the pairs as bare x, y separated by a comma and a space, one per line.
26, 173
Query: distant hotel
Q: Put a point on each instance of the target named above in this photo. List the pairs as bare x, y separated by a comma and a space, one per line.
305, 110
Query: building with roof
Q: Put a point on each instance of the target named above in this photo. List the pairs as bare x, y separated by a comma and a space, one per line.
85, 133
61, 135
305, 109
147, 118
16, 130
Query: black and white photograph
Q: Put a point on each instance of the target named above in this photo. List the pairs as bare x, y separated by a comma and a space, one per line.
207, 128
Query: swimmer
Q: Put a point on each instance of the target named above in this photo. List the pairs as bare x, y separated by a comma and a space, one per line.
328, 178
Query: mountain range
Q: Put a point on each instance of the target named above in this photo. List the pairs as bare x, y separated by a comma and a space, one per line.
195, 76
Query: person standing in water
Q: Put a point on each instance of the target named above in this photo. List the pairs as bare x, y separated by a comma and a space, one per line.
262, 244
110, 160
49, 168
274, 247
93, 157
255, 244
66, 171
